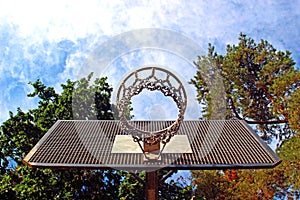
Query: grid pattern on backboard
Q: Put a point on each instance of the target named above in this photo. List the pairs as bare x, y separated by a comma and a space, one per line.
219, 144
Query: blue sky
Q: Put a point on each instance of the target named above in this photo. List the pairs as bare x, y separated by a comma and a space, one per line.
50, 40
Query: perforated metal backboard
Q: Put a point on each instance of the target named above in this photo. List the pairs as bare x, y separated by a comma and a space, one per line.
213, 145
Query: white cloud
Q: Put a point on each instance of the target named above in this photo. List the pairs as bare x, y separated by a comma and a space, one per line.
31, 30
57, 19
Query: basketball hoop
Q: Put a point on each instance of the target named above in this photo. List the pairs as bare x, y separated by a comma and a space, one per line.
159, 79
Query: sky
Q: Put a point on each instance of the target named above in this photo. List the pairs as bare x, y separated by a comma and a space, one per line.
51, 40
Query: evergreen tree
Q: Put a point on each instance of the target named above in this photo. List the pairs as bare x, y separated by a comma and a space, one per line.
262, 87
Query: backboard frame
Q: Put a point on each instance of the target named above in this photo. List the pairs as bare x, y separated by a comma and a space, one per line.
55, 146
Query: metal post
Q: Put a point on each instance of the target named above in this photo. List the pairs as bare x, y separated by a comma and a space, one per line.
151, 185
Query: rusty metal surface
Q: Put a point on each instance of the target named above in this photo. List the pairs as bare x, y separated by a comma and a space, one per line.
88, 144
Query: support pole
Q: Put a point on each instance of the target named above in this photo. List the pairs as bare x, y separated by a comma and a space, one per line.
151, 185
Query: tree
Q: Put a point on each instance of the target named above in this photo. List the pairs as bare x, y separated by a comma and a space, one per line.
282, 182
24, 129
80, 100
175, 189
262, 87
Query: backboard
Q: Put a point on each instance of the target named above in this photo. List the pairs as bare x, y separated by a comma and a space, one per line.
219, 144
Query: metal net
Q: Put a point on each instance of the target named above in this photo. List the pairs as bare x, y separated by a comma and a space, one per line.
151, 78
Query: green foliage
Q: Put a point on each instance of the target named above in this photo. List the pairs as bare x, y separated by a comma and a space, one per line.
24, 129
78, 100
294, 110
34, 183
289, 152
282, 181
130, 186
6, 188
92, 101
262, 87
18, 135
175, 189
261, 84
211, 184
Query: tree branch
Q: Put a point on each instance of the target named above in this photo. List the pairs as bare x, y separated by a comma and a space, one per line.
279, 107
169, 174
233, 108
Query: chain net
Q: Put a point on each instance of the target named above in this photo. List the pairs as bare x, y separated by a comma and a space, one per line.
159, 79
